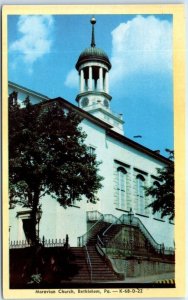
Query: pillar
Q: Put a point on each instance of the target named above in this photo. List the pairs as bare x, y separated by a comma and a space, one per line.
107, 82
101, 79
90, 79
82, 81
132, 193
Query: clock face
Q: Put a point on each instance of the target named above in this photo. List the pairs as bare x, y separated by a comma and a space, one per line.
85, 102
106, 103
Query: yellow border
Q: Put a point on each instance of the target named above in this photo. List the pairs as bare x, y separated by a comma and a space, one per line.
179, 124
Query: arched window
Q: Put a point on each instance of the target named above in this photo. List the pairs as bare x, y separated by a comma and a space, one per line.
122, 187
156, 184
140, 180
157, 214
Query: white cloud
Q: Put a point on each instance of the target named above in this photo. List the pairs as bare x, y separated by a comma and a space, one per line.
35, 37
143, 44
71, 80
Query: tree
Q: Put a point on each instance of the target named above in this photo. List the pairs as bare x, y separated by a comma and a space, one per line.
163, 192
47, 155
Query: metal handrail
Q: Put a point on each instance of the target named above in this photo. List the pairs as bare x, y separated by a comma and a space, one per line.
169, 251
117, 221
89, 262
138, 223
82, 240
99, 239
148, 235
100, 247
124, 219
109, 218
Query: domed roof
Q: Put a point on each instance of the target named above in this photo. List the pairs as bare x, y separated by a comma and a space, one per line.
93, 54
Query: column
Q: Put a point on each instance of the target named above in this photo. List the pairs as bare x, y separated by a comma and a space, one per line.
107, 82
101, 79
90, 79
81, 81
132, 189
148, 198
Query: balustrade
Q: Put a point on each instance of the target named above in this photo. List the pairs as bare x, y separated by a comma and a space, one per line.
44, 242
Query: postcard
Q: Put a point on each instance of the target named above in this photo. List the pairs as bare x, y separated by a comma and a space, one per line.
93, 151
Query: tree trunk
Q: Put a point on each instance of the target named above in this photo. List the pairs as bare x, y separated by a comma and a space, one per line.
34, 221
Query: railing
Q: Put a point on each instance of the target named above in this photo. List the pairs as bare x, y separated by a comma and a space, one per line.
91, 216
53, 242
95, 216
45, 242
19, 244
109, 218
89, 263
124, 219
95, 106
116, 221
136, 222
123, 248
100, 242
100, 247
169, 251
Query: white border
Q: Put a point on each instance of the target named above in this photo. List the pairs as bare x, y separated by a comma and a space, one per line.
98, 2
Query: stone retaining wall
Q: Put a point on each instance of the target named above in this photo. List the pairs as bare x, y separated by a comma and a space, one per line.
141, 267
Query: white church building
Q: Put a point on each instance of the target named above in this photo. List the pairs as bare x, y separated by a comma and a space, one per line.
127, 166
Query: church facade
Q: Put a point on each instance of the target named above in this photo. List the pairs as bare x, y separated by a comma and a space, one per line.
127, 166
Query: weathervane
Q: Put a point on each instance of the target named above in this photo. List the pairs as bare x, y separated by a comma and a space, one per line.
93, 21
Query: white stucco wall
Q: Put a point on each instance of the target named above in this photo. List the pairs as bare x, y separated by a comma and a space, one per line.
108, 150
57, 221
34, 98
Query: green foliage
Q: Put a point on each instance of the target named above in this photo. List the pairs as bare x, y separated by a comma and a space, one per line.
35, 278
163, 193
47, 155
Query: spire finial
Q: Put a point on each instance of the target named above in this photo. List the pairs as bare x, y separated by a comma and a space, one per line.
93, 21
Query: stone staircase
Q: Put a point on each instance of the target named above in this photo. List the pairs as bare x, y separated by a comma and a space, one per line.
99, 229
111, 233
101, 271
78, 263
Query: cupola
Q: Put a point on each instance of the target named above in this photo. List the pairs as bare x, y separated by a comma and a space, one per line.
93, 67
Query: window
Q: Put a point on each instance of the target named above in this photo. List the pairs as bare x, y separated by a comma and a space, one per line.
122, 187
157, 214
85, 101
91, 150
140, 194
106, 103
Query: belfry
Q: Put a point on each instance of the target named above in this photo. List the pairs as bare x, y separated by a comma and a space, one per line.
93, 67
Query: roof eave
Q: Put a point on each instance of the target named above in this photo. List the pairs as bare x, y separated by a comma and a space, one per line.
92, 58
109, 131
137, 146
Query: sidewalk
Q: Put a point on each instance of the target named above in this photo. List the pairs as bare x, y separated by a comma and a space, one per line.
144, 279
149, 279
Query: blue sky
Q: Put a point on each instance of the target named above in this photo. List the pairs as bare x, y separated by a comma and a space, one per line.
43, 50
